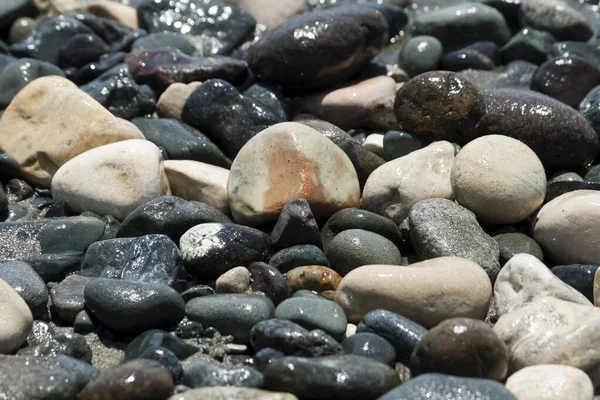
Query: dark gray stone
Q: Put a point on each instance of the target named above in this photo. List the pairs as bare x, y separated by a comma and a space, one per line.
9, 168
314, 314
66, 343
298, 256
558, 188
82, 49
167, 359
161, 40
397, 144
268, 280
296, 226
16, 75
263, 358
28, 284
566, 24
421, 54
83, 371
370, 345
205, 374
590, 108
67, 297
579, 277
587, 51
158, 338
511, 244
10, 10
271, 98
528, 45
197, 291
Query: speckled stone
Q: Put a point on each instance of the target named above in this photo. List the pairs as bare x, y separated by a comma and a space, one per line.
312, 277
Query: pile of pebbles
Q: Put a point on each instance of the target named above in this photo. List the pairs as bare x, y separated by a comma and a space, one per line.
299, 199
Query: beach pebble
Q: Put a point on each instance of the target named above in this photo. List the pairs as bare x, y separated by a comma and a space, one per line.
314, 314
17, 319
170, 104
568, 24
236, 280
556, 382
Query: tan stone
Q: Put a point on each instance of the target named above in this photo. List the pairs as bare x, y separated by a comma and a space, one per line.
288, 161
231, 393
119, 12
51, 121
171, 102
271, 13
597, 288
525, 278
550, 382
193, 180
15, 317
396, 186
427, 292
499, 178
317, 278
374, 143
113, 179
380, 114
55, 7
346, 106
567, 228
236, 280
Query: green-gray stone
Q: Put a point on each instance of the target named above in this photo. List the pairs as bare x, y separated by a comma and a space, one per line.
421, 54
161, 40
511, 244
16, 75
298, 256
397, 144
314, 314
21, 29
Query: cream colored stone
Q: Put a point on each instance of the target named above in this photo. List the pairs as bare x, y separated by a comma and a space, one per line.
374, 143
119, 12
552, 331
550, 382
288, 161
568, 230
194, 180
16, 320
51, 121
236, 280
171, 102
350, 330
56, 7
231, 393
597, 288
113, 179
499, 178
525, 278
271, 13
427, 292
396, 186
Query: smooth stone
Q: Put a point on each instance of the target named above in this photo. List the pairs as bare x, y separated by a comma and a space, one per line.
317, 378
439, 386
197, 291
158, 338
398, 185
398, 144
566, 24
348, 37
168, 215
160, 68
567, 330
440, 227
421, 54
556, 382
82, 49
272, 98
10, 168
231, 314
596, 290
411, 291
66, 343
208, 109
593, 174
151, 381
579, 277
380, 114
84, 372
236, 280
131, 307
529, 45
509, 9
181, 141
499, 178
263, 358
19, 190
271, 13
353, 248
18, 74
374, 143
116, 90
511, 244
70, 120
67, 297
467, 58
91, 71
167, 359
269, 172
547, 126
121, 13
211, 249
269, 280
460, 25
441, 105
291, 339
150, 258
403, 334
221, 393
314, 314
567, 79
20, 29
372, 346
16, 317
170, 104
461, 347
296, 225
113, 179
161, 40
28, 284
10, 10
298, 256
590, 107
587, 51
564, 228
205, 374
317, 278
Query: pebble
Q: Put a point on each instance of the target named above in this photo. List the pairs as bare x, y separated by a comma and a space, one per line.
231, 314
211, 249
193, 180
296, 225
297, 256
21, 29
158, 338
167, 359
380, 114
461, 347
82, 49
131, 307
19, 73
579, 277
511, 244
272, 98
530, 45
556, 382
10, 168
236, 280
467, 58
421, 54
408, 290
398, 185
498, 178
220, 393
84, 323
590, 107
372, 346
440, 227
314, 314
398, 144
564, 228
91, 71
315, 378
160, 40
269, 172
312, 277
83, 371
374, 143
268, 280
13, 9
73, 345
205, 374
28, 284
121, 13
17, 319
170, 104
568, 24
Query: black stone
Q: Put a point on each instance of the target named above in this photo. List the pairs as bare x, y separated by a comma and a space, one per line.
157, 338
197, 291
9, 168
263, 358
167, 359
460, 60
161, 40
82, 49
558, 188
296, 226
268, 280
528, 45
93, 70
590, 108
28, 284
370, 345
587, 51
189, 329
271, 98
298, 256
579, 277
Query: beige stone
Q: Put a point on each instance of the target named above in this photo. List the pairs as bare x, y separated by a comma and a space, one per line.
550, 382
567, 228
55, 7
350, 330
346, 107
396, 186
231, 393
380, 114
194, 180
374, 143
499, 178
236, 280
113, 179
16, 320
51, 121
597, 288
171, 102
271, 13
121, 13
552, 331
525, 278
427, 292
288, 161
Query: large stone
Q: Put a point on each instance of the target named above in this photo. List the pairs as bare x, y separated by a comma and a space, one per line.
396, 186
16, 318
285, 162
113, 179
427, 292
51, 121
550, 382
558, 18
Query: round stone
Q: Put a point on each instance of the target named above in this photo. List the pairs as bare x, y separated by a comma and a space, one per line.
557, 382
397, 144
236, 280
370, 345
421, 54
511, 244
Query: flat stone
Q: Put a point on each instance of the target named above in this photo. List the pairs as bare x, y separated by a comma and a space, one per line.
16, 317
568, 24
28, 284
219, 393
297, 256
579, 277
171, 102
205, 374
312, 277
558, 382
314, 314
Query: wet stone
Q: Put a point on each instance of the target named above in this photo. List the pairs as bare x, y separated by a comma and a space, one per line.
205, 374
296, 256
67, 297
268, 280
